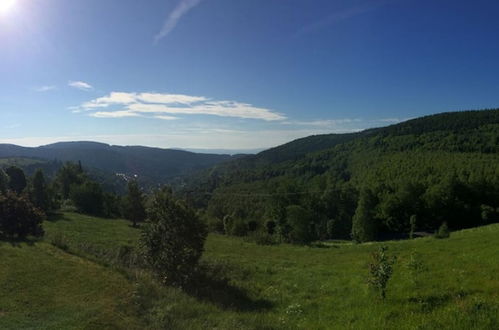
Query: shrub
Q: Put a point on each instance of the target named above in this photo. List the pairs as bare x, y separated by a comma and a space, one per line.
88, 198
18, 217
381, 270
443, 231
172, 239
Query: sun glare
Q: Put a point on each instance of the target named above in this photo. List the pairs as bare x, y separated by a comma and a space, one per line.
6, 5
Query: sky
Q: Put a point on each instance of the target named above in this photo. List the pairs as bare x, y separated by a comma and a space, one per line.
245, 74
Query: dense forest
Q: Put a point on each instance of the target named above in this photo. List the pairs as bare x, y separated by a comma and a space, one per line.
385, 182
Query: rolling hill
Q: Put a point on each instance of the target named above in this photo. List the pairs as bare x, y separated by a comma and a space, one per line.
408, 168
152, 165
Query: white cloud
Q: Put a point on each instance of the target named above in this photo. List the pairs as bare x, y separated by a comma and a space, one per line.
172, 20
166, 117
325, 122
80, 85
156, 105
47, 88
115, 114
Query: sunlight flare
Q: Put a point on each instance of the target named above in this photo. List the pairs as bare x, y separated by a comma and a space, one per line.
7, 5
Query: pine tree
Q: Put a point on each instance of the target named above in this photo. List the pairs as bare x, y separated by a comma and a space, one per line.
134, 207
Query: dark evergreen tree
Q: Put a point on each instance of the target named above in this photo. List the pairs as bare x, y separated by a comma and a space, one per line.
68, 175
39, 194
134, 208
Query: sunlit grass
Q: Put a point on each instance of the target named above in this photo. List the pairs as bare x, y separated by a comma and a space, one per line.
284, 286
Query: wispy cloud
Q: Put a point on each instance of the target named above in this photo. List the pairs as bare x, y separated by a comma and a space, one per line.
161, 105
342, 15
47, 88
174, 17
80, 85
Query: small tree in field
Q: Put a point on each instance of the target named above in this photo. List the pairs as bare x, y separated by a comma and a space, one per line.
18, 217
381, 270
443, 231
172, 239
134, 204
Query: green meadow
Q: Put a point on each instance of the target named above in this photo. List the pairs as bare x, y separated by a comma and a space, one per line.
75, 279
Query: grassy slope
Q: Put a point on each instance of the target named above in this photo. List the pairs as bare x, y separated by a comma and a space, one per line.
44, 288
285, 286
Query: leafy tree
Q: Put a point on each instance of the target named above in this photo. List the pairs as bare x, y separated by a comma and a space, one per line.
19, 217
299, 219
134, 204
88, 198
39, 194
363, 223
172, 239
17, 179
381, 270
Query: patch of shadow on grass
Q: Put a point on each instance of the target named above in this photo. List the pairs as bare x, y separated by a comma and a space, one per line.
18, 242
211, 284
56, 217
432, 302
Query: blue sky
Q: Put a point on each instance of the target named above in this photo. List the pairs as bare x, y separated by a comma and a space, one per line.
239, 74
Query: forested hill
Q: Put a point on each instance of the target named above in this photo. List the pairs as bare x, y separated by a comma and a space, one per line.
152, 163
434, 167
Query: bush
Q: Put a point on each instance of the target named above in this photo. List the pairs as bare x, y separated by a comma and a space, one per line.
380, 270
443, 231
88, 198
18, 217
172, 239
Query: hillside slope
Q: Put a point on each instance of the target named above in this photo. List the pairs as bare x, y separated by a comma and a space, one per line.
272, 287
414, 160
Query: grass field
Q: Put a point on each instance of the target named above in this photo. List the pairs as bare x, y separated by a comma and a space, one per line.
270, 287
